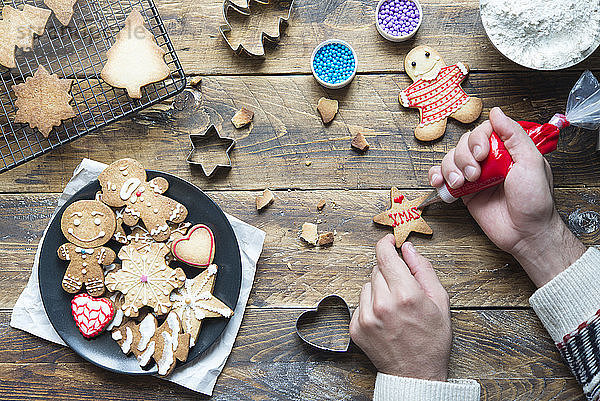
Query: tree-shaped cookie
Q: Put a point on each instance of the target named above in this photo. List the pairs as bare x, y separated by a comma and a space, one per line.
43, 101
404, 216
145, 279
17, 29
63, 9
437, 93
166, 344
195, 302
134, 60
87, 225
124, 184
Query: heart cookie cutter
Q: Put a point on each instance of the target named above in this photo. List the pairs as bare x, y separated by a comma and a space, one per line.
210, 136
240, 50
332, 327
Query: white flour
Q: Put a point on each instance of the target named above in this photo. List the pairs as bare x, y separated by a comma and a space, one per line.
542, 34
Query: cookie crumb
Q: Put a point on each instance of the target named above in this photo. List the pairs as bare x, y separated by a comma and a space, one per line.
309, 233
321, 204
289, 266
265, 199
328, 108
194, 81
242, 118
325, 239
359, 142
308, 163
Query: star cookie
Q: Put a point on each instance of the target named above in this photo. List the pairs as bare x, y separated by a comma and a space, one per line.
145, 279
404, 216
43, 101
194, 302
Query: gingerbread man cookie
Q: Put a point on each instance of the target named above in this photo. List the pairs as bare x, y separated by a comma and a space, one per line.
437, 93
404, 216
166, 344
124, 184
145, 279
195, 302
87, 225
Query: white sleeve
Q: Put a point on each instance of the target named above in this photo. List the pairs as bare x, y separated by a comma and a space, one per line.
395, 388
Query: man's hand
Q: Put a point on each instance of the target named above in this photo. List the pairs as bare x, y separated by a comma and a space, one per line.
403, 320
518, 216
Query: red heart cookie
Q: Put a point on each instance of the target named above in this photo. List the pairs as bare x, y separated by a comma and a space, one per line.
91, 314
197, 248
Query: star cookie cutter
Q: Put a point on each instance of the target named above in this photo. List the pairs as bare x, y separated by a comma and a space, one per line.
309, 328
240, 50
199, 141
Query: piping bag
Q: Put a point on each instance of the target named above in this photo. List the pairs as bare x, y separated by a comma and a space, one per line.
583, 110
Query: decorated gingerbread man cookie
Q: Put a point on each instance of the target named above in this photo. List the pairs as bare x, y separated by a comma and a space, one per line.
145, 279
87, 225
404, 216
195, 302
124, 184
437, 93
166, 344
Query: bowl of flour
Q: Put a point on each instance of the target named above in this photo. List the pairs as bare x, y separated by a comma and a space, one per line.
543, 34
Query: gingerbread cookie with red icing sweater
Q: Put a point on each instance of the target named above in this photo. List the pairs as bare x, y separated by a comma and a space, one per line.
437, 93
87, 225
124, 184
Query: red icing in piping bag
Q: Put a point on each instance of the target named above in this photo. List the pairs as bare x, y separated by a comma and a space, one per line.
496, 166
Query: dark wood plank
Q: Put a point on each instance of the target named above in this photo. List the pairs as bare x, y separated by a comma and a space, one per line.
474, 272
452, 26
287, 133
507, 351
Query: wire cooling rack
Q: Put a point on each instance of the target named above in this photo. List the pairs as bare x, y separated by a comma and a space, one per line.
79, 52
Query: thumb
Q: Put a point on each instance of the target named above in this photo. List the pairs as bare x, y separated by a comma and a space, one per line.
519, 145
423, 272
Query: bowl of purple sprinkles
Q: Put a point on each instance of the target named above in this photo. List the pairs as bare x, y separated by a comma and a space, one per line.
398, 20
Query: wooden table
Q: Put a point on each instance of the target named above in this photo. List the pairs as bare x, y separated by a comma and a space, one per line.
498, 339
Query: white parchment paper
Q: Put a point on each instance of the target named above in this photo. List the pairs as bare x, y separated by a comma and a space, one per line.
201, 374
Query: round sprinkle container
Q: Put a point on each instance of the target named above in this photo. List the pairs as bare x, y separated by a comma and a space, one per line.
398, 20
334, 63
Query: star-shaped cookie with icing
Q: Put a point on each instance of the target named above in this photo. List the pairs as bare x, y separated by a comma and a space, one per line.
404, 216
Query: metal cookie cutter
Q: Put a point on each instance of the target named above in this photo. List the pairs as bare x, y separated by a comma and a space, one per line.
264, 37
326, 327
210, 136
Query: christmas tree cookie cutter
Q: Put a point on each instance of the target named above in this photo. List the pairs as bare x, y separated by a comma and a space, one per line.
265, 38
209, 138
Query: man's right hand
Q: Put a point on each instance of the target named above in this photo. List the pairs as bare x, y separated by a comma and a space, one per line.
519, 216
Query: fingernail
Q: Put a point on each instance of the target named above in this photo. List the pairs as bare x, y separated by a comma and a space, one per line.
410, 247
477, 151
434, 179
470, 172
453, 178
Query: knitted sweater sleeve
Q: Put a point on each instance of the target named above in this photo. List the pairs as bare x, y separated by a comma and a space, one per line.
394, 388
568, 307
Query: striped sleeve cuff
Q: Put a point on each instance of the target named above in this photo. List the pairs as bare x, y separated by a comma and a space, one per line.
404, 99
393, 388
570, 298
463, 68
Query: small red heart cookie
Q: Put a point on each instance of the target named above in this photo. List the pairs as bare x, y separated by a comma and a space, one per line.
197, 248
91, 314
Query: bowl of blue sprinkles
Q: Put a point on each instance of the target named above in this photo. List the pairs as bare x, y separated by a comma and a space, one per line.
334, 63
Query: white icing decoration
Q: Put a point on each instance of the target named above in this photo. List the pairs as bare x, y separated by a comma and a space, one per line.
116, 335
155, 187
145, 357
159, 229
76, 222
72, 233
126, 347
176, 212
95, 213
146, 328
97, 221
129, 187
80, 214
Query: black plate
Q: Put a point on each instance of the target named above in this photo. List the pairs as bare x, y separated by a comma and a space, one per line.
103, 350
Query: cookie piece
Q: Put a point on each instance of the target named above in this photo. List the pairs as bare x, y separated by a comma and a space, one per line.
91, 315
437, 93
242, 118
145, 279
404, 216
321, 205
265, 199
134, 60
327, 108
326, 239
87, 225
196, 248
63, 9
359, 142
166, 344
17, 29
195, 302
309, 233
43, 101
124, 184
